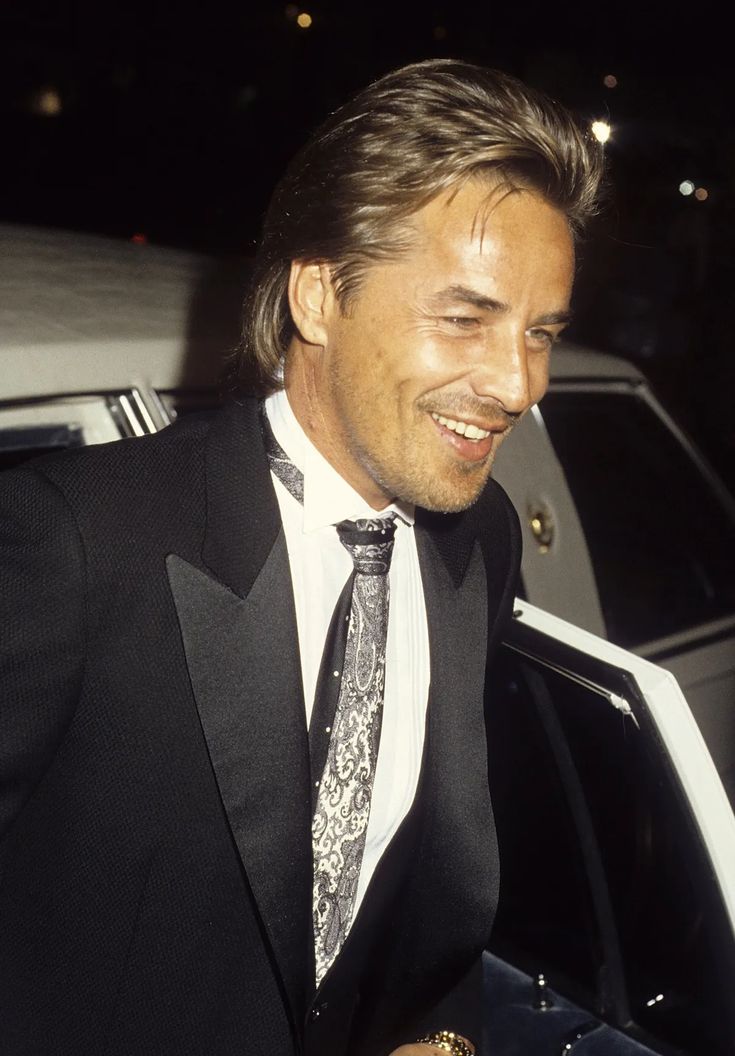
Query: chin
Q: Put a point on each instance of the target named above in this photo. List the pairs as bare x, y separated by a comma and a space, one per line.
455, 504
448, 489
446, 496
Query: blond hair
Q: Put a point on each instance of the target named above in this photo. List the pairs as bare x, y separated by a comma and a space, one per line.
400, 142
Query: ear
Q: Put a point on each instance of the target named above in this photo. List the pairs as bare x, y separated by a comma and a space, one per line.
311, 300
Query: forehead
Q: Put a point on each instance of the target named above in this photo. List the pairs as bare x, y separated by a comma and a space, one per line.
479, 213
508, 243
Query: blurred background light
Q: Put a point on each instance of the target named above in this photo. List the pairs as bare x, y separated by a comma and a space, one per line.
701, 194
610, 80
46, 102
304, 20
601, 131
686, 187
440, 33
292, 11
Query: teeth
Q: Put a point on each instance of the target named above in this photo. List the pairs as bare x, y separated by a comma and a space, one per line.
465, 429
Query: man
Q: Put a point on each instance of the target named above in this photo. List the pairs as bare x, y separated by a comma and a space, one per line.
232, 821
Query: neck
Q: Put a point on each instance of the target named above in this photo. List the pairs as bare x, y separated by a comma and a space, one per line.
308, 395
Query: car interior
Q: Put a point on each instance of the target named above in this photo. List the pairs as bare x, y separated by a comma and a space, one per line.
609, 933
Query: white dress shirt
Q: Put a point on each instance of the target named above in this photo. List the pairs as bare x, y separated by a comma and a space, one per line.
320, 567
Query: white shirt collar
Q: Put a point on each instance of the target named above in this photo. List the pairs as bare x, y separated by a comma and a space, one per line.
328, 498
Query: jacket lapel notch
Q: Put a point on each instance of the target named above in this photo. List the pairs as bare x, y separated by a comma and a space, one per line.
246, 679
242, 517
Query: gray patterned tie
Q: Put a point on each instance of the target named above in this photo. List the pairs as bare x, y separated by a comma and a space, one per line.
342, 810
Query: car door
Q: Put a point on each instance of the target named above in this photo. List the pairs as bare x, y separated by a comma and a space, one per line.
615, 931
557, 572
659, 529
629, 534
38, 426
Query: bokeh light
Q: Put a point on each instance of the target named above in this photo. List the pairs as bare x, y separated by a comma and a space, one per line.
686, 187
610, 80
46, 102
304, 20
601, 131
701, 194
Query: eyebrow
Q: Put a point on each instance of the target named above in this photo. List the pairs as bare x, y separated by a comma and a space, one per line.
466, 295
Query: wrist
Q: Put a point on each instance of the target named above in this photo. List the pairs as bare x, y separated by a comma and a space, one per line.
449, 1041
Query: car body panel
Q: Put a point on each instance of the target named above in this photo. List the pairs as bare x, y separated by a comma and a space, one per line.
530, 472
678, 730
80, 313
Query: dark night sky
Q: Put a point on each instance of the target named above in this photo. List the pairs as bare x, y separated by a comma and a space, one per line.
175, 120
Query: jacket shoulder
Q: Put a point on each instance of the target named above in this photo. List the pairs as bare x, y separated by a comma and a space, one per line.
107, 466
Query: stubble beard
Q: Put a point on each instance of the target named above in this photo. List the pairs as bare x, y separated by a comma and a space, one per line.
449, 491
449, 488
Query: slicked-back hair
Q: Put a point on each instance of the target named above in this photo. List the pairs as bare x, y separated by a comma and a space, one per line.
418, 131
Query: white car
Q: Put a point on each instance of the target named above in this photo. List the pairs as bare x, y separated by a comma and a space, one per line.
628, 533
616, 926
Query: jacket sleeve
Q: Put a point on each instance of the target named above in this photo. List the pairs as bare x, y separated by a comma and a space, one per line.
460, 1010
42, 572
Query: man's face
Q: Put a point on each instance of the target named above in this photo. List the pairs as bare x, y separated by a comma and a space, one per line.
441, 350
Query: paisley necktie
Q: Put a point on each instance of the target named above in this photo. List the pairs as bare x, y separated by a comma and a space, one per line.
351, 718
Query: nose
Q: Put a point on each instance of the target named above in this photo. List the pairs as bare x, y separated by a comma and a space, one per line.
510, 373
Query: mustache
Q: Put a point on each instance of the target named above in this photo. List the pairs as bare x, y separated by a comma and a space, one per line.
463, 407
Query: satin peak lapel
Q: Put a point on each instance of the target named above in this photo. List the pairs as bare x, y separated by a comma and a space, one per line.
460, 837
245, 673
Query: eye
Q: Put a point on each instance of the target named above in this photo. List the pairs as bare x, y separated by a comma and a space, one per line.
461, 322
542, 338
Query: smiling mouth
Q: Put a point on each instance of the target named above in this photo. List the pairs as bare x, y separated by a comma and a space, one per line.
465, 429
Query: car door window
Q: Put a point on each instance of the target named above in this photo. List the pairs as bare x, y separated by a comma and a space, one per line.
659, 534
179, 402
19, 443
31, 428
605, 885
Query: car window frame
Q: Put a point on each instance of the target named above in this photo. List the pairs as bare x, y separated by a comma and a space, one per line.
651, 698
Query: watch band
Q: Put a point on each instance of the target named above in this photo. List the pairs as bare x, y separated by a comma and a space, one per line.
449, 1041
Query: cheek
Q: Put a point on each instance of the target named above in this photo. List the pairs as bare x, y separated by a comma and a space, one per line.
433, 360
538, 378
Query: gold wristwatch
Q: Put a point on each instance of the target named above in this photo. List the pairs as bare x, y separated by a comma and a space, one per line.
449, 1041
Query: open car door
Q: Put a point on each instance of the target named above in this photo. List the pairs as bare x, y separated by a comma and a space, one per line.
615, 932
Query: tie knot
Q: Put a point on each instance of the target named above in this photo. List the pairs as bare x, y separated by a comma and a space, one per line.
369, 543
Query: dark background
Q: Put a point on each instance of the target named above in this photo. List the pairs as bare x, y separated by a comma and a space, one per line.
171, 122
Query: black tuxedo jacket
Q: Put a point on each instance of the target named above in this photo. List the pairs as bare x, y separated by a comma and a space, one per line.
155, 857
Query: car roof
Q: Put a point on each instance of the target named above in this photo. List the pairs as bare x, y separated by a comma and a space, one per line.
80, 312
